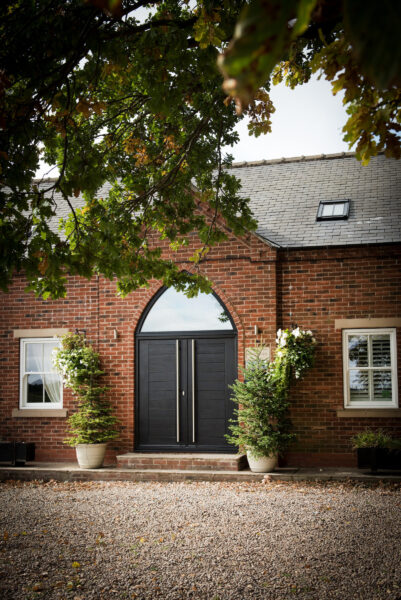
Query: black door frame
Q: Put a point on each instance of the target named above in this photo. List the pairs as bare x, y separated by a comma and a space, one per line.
177, 335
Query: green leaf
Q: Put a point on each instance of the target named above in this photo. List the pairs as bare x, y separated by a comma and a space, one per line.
262, 38
374, 31
305, 8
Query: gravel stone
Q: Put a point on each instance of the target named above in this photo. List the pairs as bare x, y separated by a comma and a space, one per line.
215, 541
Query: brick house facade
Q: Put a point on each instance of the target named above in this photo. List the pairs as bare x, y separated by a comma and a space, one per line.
331, 277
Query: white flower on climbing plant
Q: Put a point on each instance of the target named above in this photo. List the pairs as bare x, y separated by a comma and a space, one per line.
283, 339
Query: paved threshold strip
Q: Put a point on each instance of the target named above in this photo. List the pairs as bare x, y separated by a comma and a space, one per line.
71, 472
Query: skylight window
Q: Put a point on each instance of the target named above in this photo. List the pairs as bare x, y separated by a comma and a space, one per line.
333, 210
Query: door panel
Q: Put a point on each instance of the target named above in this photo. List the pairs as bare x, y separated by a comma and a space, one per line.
203, 417
212, 378
157, 391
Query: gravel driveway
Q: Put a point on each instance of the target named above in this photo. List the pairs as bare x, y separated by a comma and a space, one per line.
216, 541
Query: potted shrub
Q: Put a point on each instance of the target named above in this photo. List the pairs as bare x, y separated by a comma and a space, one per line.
261, 423
377, 450
92, 425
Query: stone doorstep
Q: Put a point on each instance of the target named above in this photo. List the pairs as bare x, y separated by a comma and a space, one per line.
184, 462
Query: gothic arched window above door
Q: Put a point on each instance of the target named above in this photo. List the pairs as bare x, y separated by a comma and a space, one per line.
174, 311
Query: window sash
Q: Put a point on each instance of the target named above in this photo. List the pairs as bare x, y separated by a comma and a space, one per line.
333, 210
372, 400
26, 373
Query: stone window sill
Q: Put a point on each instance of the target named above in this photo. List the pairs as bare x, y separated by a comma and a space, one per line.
43, 413
369, 412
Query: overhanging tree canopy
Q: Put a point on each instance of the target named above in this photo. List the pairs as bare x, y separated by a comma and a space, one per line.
129, 92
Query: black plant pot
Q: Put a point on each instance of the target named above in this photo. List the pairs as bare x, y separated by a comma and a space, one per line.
379, 458
17, 452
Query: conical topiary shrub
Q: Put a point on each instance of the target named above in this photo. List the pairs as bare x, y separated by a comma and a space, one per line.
79, 365
261, 423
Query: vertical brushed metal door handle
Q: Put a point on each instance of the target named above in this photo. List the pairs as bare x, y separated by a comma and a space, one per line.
177, 395
193, 392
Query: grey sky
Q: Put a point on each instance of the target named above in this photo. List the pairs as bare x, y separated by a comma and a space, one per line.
308, 120
173, 311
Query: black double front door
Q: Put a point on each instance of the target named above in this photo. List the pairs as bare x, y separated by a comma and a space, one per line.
183, 394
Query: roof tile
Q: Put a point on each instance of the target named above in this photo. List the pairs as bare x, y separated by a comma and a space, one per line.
285, 195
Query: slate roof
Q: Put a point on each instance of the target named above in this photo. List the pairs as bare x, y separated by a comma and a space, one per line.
285, 196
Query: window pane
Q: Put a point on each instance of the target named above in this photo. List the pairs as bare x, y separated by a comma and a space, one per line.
381, 353
35, 389
48, 348
33, 360
327, 210
382, 389
358, 350
52, 388
338, 209
173, 311
359, 386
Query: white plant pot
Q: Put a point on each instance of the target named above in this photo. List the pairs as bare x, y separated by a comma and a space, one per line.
262, 464
90, 456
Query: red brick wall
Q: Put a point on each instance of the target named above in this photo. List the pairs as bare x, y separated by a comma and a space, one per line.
315, 288
311, 288
243, 275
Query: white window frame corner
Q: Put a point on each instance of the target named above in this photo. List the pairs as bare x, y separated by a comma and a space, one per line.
392, 331
23, 405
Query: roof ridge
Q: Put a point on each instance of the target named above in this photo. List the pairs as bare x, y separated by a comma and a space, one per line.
44, 179
258, 163
289, 159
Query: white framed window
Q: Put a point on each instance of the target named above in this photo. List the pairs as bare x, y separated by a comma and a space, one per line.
40, 385
370, 368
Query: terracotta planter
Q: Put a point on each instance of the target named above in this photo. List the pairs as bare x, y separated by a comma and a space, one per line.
262, 464
90, 456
